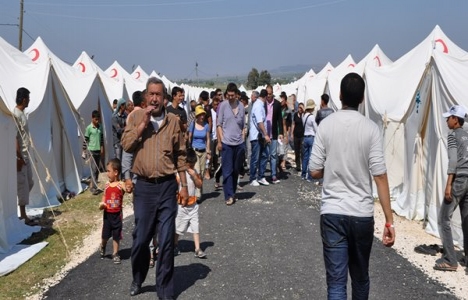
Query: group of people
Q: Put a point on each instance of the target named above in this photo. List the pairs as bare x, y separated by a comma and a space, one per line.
164, 153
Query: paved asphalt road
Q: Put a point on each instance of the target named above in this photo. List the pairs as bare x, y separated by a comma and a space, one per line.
266, 246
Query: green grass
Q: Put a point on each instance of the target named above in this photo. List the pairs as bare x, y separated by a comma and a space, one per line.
64, 227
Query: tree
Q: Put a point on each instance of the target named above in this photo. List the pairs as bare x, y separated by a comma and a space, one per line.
264, 78
252, 79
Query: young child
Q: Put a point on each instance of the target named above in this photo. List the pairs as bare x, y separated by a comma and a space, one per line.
94, 141
112, 205
187, 216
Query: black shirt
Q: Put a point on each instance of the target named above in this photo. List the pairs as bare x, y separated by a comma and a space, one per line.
298, 126
178, 111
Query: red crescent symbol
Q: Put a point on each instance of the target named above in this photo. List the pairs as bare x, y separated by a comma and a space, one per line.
138, 75
378, 60
114, 73
437, 41
36, 54
351, 65
83, 67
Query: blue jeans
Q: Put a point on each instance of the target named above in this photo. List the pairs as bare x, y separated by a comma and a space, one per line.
258, 160
306, 152
273, 152
459, 198
232, 160
347, 244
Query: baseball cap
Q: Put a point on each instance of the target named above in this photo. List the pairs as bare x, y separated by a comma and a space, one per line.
457, 111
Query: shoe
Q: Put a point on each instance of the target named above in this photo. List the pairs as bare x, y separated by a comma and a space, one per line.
240, 188
308, 180
275, 180
30, 222
230, 201
463, 261
152, 262
217, 185
200, 254
443, 266
116, 259
263, 181
176, 251
96, 192
298, 169
102, 251
135, 289
254, 183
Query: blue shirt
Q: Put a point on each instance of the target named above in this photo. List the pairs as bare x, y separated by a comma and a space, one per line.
257, 115
199, 136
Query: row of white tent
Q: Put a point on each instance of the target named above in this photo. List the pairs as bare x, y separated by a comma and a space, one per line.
405, 97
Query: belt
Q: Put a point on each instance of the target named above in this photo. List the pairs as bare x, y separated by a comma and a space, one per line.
310, 135
199, 150
156, 180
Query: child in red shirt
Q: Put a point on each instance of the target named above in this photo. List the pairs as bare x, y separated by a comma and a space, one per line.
112, 199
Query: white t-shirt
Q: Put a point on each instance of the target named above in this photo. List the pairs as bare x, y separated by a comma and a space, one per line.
310, 127
348, 147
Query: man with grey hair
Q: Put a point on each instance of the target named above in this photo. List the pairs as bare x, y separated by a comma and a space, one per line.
156, 140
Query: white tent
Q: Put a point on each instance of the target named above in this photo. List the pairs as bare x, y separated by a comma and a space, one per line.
407, 98
312, 86
53, 127
334, 79
95, 99
12, 230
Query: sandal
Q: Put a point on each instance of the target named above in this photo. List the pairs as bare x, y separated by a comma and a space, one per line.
443, 266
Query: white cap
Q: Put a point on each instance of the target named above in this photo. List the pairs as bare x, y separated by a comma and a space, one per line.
457, 111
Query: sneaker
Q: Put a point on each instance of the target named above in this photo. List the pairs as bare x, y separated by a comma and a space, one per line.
102, 251
254, 183
230, 201
199, 253
176, 251
116, 259
263, 181
275, 180
240, 188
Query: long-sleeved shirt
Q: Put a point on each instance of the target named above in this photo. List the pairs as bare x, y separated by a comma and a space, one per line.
457, 142
156, 153
118, 126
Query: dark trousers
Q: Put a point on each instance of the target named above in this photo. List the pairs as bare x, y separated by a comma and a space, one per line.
298, 152
155, 209
232, 160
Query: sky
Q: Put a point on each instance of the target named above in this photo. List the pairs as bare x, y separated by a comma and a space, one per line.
229, 37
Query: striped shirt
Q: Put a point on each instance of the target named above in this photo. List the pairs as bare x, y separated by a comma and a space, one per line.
457, 142
155, 154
